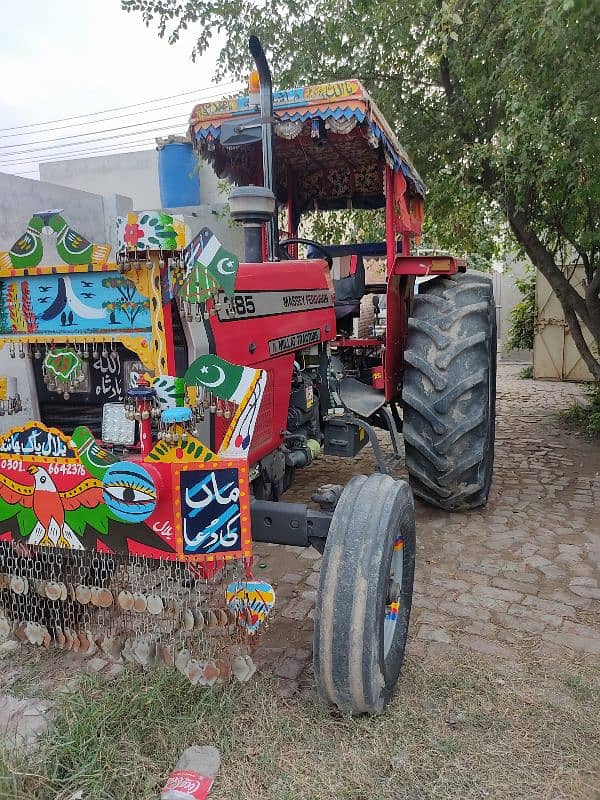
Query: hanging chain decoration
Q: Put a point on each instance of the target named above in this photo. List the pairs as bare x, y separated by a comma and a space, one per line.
128, 607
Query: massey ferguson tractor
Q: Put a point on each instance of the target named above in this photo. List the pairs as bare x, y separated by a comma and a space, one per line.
179, 388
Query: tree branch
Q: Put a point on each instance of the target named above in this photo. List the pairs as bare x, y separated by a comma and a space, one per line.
575, 328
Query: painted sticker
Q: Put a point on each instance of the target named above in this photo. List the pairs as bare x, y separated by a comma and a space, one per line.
214, 509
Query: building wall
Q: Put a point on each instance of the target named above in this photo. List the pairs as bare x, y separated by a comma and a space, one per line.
92, 214
507, 295
133, 174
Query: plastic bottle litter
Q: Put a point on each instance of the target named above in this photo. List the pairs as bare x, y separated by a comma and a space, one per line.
194, 774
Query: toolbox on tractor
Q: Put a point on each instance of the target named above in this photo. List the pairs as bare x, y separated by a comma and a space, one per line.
128, 524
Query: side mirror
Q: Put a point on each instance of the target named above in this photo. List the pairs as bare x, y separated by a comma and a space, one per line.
242, 131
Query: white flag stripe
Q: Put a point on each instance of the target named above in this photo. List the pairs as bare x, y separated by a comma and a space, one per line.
208, 254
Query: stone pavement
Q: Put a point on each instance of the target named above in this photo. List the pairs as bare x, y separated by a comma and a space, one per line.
514, 580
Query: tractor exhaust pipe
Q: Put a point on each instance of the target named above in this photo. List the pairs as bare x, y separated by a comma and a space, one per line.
266, 112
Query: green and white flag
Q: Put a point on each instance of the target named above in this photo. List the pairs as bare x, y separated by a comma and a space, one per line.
225, 380
208, 261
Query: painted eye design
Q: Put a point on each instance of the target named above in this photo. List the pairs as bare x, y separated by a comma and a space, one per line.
133, 495
129, 491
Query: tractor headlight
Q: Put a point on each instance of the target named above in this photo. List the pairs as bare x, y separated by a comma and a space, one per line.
116, 428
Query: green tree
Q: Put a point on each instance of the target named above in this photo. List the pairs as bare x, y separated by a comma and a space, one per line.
496, 100
522, 317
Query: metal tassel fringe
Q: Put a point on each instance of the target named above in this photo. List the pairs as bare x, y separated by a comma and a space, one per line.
147, 612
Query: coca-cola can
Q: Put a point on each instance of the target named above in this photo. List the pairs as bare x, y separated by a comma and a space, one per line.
185, 784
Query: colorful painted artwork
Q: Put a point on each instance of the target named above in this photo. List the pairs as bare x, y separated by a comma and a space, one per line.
170, 390
95, 459
209, 267
189, 451
151, 230
328, 92
72, 305
62, 363
252, 600
51, 493
213, 501
71, 246
129, 491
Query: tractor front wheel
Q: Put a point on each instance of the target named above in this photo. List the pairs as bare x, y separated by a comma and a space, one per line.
365, 594
449, 391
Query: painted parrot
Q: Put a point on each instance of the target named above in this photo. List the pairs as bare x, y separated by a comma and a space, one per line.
94, 458
49, 505
27, 251
74, 248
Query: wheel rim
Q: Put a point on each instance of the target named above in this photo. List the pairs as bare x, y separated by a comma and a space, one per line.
394, 596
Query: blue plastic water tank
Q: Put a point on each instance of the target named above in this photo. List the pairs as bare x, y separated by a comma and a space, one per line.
178, 175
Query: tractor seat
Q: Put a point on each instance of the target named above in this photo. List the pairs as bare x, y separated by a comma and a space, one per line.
350, 290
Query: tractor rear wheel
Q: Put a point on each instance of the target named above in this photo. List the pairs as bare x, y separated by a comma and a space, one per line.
449, 391
365, 594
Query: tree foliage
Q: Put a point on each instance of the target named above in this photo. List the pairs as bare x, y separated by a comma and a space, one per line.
496, 100
522, 316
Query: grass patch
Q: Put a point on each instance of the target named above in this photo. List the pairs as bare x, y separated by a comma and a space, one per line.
585, 417
526, 373
456, 730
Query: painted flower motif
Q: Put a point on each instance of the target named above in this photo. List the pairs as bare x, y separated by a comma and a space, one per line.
132, 234
179, 228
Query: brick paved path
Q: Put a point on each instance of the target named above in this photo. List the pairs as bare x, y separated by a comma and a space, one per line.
516, 579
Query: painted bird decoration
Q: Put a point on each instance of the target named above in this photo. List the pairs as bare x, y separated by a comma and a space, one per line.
27, 251
74, 248
49, 505
71, 246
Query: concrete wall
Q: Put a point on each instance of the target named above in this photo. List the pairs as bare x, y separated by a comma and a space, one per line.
507, 296
91, 214
134, 175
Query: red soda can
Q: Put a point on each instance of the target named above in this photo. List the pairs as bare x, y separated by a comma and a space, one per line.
194, 774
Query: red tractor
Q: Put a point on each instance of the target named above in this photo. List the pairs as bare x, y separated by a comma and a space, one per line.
216, 380
427, 371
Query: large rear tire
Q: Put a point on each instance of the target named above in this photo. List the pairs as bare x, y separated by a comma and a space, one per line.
365, 594
449, 391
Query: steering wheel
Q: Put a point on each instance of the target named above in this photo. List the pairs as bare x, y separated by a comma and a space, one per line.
283, 246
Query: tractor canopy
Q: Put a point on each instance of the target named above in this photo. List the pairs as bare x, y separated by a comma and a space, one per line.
331, 146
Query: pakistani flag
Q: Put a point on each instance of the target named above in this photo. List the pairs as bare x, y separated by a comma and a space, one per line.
207, 258
225, 380
199, 286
